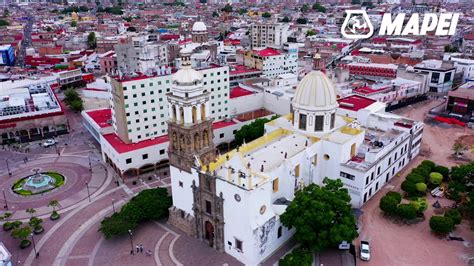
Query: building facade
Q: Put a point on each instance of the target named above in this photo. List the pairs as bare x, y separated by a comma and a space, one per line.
265, 34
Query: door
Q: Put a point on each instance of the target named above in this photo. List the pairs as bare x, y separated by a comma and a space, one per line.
209, 233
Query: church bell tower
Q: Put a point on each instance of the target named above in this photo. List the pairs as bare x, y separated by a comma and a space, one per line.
190, 124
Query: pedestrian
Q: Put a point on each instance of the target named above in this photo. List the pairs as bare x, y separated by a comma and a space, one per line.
141, 248
138, 248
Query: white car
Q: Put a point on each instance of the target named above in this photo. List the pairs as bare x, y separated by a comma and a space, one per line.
364, 250
49, 143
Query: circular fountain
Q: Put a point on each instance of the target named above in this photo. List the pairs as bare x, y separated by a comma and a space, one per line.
37, 183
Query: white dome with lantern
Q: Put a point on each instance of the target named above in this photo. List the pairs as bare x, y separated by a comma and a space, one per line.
199, 26
186, 77
315, 104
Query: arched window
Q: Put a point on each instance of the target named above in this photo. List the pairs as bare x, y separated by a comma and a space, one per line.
181, 114
319, 123
280, 231
175, 141
173, 107
182, 143
197, 142
205, 138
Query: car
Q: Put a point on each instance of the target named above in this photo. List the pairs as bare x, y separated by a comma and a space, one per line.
364, 250
49, 143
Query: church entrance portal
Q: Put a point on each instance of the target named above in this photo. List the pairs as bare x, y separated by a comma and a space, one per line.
209, 233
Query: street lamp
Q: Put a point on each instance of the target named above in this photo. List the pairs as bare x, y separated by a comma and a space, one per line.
5, 199
113, 205
8, 167
131, 241
88, 193
34, 245
90, 165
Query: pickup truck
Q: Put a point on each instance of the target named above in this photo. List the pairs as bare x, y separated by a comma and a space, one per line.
364, 250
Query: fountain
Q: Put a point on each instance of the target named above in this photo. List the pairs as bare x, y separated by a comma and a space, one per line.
36, 183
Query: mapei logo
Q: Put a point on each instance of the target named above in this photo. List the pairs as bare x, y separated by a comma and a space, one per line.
357, 24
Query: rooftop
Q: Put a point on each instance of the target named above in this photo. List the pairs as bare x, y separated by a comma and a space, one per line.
239, 92
267, 52
101, 117
122, 147
355, 102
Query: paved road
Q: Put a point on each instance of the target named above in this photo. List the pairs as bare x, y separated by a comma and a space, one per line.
20, 60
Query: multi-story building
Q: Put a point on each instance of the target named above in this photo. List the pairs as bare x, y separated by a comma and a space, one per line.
440, 74
233, 203
7, 55
265, 34
108, 63
136, 54
272, 62
30, 110
377, 70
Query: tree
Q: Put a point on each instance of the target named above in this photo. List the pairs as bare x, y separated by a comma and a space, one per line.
132, 29
215, 14
441, 224
397, 196
73, 23
406, 211
251, 131
408, 186
454, 215
266, 15
3, 23
77, 105
22, 233
420, 204
31, 211
285, 19
415, 178
429, 164
318, 7
92, 40
310, 33
355, 2
48, 29
450, 49
388, 204
6, 12
297, 257
53, 204
304, 8
444, 171
6, 216
242, 11
227, 8
322, 216
458, 148
436, 178
421, 187
302, 21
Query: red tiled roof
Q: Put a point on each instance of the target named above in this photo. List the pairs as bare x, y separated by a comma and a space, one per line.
222, 124
240, 69
267, 52
166, 37
355, 102
365, 90
122, 147
239, 92
101, 117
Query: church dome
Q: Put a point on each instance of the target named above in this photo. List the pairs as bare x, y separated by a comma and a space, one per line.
199, 26
187, 76
315, 92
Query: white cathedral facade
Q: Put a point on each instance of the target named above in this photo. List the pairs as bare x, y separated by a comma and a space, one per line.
233, 202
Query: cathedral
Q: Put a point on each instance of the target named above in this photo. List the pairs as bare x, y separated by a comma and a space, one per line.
233, 202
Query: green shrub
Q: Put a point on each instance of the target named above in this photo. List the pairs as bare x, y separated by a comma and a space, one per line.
393, 194
408, 186
429, 164
444, 171
420, 204
454, 215
415, 178
297, 257
436, 178
421, 187
424, 171
406, 211
388, 204
441, 224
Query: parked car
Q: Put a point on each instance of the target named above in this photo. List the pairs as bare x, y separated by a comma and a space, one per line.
49, 143
364, 250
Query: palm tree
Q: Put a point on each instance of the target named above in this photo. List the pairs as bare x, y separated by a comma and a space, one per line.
6, 216
31, 211
54, 203
22, 233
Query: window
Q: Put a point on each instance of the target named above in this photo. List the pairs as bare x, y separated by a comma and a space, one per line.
208, 207
372, 176
145, 156
180, 184
280, 231
275, 184
238, 245
367, 180
319, 123
297, 171
302, 122
162, 152
221, 135
346, 175
128, 161
378, 170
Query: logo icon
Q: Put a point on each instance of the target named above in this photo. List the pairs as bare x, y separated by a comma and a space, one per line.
357, 25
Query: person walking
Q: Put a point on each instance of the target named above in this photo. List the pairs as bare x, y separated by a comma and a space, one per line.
141, 248
137, 248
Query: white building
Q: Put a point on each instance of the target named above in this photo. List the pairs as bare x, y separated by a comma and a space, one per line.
440, 74
234, 203
465, 66
139, 55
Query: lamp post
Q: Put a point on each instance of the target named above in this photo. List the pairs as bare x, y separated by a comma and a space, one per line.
90, 165
34, 245
88, 193
131, 242
8, 168
113, 205
5, 199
